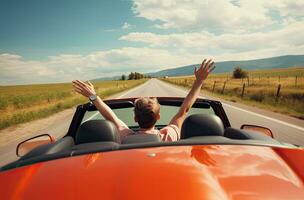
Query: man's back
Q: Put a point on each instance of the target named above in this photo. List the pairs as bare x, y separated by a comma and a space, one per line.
168, 133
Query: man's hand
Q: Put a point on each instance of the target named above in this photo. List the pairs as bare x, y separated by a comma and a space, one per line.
202, 73
85, 89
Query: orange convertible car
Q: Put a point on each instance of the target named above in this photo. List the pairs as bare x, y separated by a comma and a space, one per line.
211, 161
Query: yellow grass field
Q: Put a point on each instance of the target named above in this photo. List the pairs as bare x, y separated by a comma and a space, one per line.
24, 103
260, 88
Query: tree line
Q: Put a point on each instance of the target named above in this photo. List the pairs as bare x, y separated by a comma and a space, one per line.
238, 72
134, 76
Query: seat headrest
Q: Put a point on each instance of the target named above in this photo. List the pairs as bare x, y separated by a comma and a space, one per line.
202, 125
97, 131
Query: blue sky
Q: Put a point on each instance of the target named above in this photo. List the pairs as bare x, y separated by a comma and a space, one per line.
58, 41
37, 29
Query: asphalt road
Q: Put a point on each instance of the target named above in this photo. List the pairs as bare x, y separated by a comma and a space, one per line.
285, 128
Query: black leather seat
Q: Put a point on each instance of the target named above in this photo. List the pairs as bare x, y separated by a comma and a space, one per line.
97, 131
202, 125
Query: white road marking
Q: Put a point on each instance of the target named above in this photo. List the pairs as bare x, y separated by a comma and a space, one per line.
263, 116
260, 115
91, 117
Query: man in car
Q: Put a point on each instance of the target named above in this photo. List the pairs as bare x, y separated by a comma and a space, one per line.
147, 110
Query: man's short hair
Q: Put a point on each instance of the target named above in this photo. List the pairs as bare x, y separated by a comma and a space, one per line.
146, 111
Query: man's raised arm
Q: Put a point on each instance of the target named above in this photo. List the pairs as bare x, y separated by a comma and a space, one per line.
87, 90
200, 74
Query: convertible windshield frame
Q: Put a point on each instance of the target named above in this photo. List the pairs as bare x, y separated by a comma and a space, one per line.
129, 102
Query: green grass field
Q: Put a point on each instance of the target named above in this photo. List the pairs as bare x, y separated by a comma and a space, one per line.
260, 89
24, 103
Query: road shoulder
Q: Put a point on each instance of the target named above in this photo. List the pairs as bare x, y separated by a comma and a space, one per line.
278, 116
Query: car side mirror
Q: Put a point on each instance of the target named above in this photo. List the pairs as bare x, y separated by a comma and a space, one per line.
31, 143
260, 129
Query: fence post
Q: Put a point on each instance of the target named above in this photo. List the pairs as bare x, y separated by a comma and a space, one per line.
243, 90
248, 80
224, 87
296, 81
213, 86
278, 92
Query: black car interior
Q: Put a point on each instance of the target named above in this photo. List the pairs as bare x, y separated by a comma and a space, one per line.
97, 131
102, 135
202, 125
64, 144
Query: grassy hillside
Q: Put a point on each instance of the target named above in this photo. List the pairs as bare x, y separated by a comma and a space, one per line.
24, 103
227, 66
260, 89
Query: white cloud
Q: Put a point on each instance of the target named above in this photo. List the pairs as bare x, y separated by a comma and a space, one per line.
147, 59
126, 25
13, 68
286, 40
163, 51
63, 68
222, 30
290, 8
233, 16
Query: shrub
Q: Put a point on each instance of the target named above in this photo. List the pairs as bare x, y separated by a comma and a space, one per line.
135, 76
3, 103
257, 96
123, 77
239, 73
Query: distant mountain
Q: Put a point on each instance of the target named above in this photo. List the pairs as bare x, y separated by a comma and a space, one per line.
228, 66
